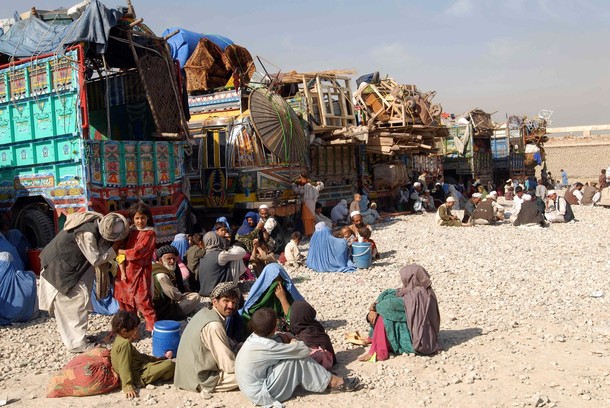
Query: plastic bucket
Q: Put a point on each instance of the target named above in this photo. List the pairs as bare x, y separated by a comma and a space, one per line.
361, 254
165, 337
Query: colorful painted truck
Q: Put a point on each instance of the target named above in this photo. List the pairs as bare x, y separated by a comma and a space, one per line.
76, 136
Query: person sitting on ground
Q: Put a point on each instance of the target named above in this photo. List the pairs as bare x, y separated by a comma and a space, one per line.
365, 211
365, 236
470, 207
573, 194
225, 221
530, 214
261, 256
517, 201
273, 233
206, 359
347, 234
135, 369
498, 209
374, 213
273, 289
339, 213
357, 223
590, 195
328, 253
602, 181
220, 263
444, 217
195, 253
415, 203
481, 190
541, 190
168, 301
18, 300
428, 201
319, 217
509, 190
405, 320
305, 327
182, 245
270, 366
558, 210
292, 253
249, 230
438, 193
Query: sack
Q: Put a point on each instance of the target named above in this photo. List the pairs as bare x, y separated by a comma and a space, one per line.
89, 373
323, 357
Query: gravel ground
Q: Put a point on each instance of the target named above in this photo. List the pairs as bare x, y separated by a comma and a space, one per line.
525, 322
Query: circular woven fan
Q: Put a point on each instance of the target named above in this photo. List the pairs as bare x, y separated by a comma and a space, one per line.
278, 126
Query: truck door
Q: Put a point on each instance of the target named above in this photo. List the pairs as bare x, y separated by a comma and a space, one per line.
214, 166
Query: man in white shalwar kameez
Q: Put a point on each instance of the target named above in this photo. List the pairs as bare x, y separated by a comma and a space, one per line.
269, 366
310, 196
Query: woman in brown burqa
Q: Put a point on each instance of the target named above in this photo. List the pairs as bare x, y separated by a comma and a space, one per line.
405, 320
305, 327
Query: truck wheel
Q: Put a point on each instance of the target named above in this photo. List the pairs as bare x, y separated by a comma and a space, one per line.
38, 228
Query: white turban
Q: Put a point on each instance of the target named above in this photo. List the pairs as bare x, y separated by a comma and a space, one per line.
354, 213
450, 199
527, 197
477, 195
493, 194
416, 184
551, 192
263, 206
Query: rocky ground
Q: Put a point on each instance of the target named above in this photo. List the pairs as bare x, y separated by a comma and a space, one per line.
525, 323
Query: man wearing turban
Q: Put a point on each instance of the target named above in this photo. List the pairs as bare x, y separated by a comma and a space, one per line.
88, 240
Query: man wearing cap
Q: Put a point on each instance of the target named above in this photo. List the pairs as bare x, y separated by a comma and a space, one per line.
488, 211
471, 205
557, 208
272, 231
573, 195
205, 359
530, 215
169, 303
88, 240
498, 210
444, 217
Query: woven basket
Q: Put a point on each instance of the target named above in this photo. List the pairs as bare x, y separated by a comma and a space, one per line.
205, 68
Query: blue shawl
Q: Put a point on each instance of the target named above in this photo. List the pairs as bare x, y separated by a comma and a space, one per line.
181, 243
268, 275
245, 229
327, 253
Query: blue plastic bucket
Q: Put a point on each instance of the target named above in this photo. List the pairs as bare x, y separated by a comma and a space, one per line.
165, 337
361, 254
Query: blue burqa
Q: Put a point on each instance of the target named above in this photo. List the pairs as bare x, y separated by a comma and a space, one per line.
327, 253
181, 243
225, 222
268, 275
6, 246
18, 300
245, 228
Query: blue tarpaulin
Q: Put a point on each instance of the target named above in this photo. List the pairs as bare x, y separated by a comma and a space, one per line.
184, 43
33, 36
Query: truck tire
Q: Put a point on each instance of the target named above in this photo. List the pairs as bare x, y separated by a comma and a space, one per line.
38, 227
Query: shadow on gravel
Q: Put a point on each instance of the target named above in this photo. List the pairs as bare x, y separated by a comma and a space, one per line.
334, 323
346, 357
451, 338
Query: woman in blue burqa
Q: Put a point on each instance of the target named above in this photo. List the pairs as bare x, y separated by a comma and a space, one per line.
248, 230
273, 289
328, 253
18, 300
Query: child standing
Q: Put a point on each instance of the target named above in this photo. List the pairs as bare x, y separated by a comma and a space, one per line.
133, 289
292, 252
134, 368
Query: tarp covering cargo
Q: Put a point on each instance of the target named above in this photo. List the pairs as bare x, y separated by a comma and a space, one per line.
183, 44
33, 36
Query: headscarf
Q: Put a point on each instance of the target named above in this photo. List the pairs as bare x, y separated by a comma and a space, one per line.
421, 308
225, 222
264, 281
223, 288
9, 249
181, 243
114, 227
305, 327
166, 249
327, 253
213, 242
364, 203
245, 228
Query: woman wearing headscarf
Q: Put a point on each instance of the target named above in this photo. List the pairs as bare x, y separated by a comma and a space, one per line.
405, 320
460, 201
305, 327
339, 213
273, 289
328, 253
219, 264
87, 240
181, 243
248, 231
18, 300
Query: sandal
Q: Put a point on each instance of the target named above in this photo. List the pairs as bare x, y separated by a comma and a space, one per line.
356, 338
349, 385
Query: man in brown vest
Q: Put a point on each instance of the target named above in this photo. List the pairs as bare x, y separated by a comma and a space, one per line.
573, 194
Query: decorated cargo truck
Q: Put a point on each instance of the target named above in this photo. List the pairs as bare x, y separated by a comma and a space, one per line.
83, 130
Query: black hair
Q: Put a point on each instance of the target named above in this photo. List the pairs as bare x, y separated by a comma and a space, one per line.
518, 189
141, 208
295, 235
364, 232
318, 205
124, 320
197, 237
220, 225
263, 322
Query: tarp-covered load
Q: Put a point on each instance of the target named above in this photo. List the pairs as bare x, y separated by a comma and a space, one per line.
183, 44
34, 36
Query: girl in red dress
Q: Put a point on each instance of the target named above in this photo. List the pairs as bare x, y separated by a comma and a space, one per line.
133, 289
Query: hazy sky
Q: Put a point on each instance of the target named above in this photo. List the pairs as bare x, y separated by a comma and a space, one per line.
509, 56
